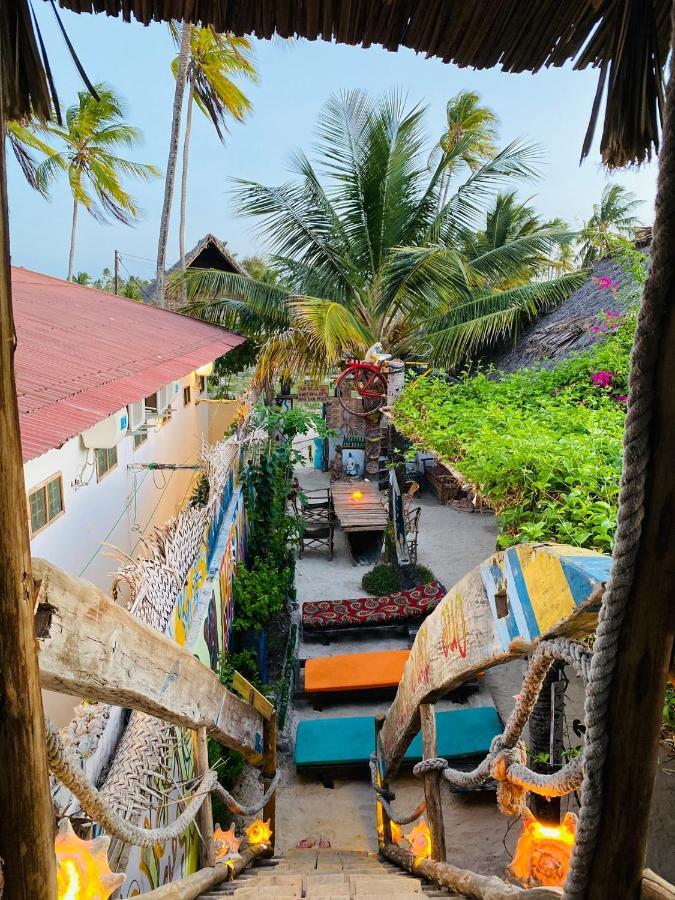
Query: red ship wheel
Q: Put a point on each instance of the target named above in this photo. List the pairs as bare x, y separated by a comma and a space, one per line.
363, 380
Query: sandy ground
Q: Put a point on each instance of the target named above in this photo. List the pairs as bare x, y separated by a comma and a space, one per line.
477, 836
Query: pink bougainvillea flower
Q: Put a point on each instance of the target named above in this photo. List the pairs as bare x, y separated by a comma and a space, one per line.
621, 398
602, 379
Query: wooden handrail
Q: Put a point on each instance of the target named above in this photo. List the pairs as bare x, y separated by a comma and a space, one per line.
91, 647
193, 885
468, 633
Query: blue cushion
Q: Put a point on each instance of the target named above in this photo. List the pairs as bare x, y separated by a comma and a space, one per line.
351, 740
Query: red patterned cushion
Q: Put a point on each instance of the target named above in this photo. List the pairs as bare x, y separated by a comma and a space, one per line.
400, 607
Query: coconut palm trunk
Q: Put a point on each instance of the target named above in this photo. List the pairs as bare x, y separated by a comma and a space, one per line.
184, 174
73, 234
183, 60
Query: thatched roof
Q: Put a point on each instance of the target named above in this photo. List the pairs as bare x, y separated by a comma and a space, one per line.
209, 253
568, 328
627, 40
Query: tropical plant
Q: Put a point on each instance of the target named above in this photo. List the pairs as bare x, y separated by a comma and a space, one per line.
366, 255
469, 124
23, 141
613, 217
93, 129
214, 60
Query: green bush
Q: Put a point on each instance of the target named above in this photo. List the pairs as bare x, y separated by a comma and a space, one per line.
260, 594
544, 446
425, 575
383, 579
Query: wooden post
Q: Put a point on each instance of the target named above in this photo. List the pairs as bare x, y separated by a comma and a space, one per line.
384, 837
27, 837
432, 783
269, 768
207, 853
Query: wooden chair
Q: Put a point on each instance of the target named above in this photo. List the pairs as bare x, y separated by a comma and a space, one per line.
319, 524
412, 527
411, 489
316, 507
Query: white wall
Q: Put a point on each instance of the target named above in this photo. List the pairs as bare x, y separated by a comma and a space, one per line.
125, 504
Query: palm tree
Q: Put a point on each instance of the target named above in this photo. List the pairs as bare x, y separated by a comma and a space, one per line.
614, 217
466, 118
170, 178
23, 140
365, 254
214, 59
93, 128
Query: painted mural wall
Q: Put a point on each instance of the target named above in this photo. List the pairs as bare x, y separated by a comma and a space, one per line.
201, 621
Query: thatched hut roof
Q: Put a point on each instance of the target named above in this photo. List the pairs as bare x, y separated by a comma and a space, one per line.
569, 327
208, 253
627, 40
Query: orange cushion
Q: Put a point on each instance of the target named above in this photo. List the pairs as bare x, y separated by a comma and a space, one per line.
355, 671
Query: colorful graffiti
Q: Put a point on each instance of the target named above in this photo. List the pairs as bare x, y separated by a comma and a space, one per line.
453, 625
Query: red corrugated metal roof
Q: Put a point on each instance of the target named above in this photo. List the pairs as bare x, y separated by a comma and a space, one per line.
82, 354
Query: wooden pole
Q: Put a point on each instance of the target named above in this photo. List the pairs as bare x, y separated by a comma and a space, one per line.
207, 853
27, 835
385, 837
269, 769
196, 884
645, 642
432, 783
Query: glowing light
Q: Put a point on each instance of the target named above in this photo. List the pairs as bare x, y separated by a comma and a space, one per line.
357, 495
396, 833
420, 840
82, 870
227, 844
543, 853
258, 832
204, 371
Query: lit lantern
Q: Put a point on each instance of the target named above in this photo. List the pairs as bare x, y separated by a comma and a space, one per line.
205, 370
258, 832
357, 495
396, 833
420, 840
543, 852
227, 844
82, 870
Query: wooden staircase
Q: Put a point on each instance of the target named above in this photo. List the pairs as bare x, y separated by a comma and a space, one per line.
325, 875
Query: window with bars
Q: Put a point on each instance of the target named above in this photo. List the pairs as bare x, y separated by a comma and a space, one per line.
106, 459
140, 437
45, 503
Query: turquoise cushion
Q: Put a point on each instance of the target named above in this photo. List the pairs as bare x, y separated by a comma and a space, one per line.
351, 740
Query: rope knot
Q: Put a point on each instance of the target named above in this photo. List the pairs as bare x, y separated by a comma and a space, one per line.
510, 797
434, 764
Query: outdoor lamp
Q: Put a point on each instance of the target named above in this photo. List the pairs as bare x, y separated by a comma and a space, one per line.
543, 852
258, 832
227, 844
82, 870
205, 370
420, 841
357, 495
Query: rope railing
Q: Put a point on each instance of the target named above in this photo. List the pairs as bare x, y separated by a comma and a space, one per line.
505, 761
94, 804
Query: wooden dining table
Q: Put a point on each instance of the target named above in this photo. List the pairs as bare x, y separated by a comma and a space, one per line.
365, 512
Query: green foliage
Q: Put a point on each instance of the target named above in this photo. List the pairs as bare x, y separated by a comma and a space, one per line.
542, 445
383, 579
669, 708
260, 594
425, 575
200, 494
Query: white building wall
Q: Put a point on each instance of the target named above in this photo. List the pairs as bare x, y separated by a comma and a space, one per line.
113, 514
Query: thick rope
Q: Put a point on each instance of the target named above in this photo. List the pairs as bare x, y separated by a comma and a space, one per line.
381, 797
505, 760
68, 772
642, 391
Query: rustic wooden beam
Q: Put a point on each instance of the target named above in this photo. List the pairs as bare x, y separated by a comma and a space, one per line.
97, 650
432, 783
194, 885
27, 837
462, 881
269, 770
653, 887
252, 696
207, 851
384, 837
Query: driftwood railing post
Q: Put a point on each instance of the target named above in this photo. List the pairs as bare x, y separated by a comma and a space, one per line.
269, 770
207, 853
384, 838
27, 836
432, 783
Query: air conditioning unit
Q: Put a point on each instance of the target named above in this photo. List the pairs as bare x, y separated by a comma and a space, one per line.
159, 404
136, 415
108, 433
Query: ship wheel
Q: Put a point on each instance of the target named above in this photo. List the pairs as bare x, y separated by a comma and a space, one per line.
364, 381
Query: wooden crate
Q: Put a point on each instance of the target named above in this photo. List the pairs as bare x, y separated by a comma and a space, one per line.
442, 483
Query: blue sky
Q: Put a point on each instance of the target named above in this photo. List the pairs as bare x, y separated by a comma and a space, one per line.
551, 107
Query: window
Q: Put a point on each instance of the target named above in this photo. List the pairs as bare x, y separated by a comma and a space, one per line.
140, 437
187, 395
106, 459
151, 403
45, 503
201, 383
